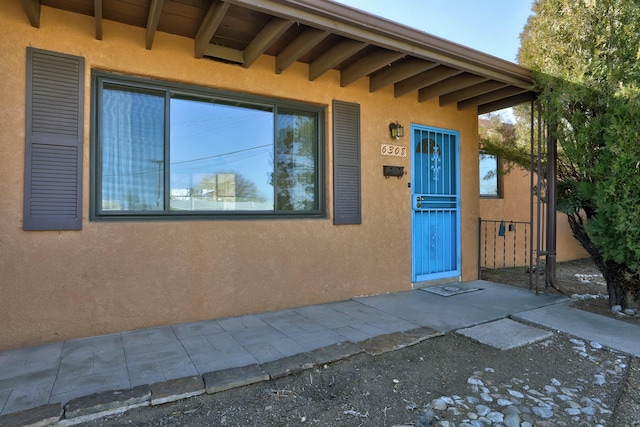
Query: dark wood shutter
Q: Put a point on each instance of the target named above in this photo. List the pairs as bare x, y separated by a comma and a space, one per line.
346, 163
54, 131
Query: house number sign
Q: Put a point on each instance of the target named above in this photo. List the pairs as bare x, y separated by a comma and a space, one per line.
393, 150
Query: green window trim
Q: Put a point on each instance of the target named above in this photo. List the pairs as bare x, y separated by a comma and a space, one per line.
490, 176
162, 150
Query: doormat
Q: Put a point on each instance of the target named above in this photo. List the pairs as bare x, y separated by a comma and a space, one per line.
451, 289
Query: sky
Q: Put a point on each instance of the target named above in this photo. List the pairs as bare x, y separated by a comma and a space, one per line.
490, 26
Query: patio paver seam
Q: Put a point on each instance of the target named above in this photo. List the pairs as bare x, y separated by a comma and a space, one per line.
308, 355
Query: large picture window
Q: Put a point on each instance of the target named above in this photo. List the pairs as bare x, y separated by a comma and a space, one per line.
165, 150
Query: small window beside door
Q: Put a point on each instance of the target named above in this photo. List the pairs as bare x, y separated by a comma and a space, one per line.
489, 175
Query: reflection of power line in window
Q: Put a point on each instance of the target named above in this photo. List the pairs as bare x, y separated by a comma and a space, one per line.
212, 163
218, 126
222, 155
230, 153
142, 172
211, 117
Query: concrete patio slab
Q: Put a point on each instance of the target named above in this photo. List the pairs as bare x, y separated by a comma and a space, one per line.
175, 360
606, 331
446, 314
505, 334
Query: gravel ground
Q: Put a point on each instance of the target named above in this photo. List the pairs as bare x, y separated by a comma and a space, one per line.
443, 381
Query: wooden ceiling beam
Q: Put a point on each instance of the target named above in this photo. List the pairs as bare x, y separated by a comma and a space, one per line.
301, 45
368, 65
506, 102
334, 56
209, 25
470, 92
423, 79
401, 70
270, 33
152, 21
97, 14
340, 20
32, 9
225, 53
451, 84
486, 98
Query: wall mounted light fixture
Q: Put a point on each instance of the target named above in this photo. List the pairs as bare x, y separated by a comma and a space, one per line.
396, 129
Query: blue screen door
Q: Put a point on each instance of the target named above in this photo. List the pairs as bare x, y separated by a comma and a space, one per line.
435, 203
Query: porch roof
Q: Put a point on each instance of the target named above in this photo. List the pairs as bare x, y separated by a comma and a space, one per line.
325, 35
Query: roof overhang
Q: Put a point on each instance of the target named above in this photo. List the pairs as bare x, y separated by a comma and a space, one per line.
326, 36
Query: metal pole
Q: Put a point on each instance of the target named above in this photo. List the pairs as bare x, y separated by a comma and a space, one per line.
479, 248
531, 170
552, 157
539, 203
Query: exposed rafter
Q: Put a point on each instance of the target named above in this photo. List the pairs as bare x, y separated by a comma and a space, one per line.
449, 85
334, 56
32, 9
390, 35
506, 102
301, 45
368, 65
209, 25
152, 22
401, 70
326, 36
225, 53
97, 13
470, 92
274, 29
423, 79
490, 97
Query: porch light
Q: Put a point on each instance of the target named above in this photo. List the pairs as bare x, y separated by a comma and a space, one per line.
396, 129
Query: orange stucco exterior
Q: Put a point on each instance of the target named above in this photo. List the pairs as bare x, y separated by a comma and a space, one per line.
514, 205
115, 276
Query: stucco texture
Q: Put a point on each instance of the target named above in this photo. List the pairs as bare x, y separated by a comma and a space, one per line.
514, 205
116, 276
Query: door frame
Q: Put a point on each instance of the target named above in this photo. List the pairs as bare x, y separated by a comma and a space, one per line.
457, 272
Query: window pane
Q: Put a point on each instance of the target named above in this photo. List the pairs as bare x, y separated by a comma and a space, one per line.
296, 149
221, 157
488, 175
132, 151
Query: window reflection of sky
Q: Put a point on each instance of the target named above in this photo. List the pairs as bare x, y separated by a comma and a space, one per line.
488, 175
209, 138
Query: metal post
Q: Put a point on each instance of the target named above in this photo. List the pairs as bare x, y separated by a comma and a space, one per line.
538, 214
479, 248
552, 154
531, 142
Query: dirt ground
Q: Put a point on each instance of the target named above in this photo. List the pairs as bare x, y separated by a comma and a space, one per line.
403, 387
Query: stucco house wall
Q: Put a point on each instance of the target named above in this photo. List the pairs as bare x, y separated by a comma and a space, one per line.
514, 205
115, 276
